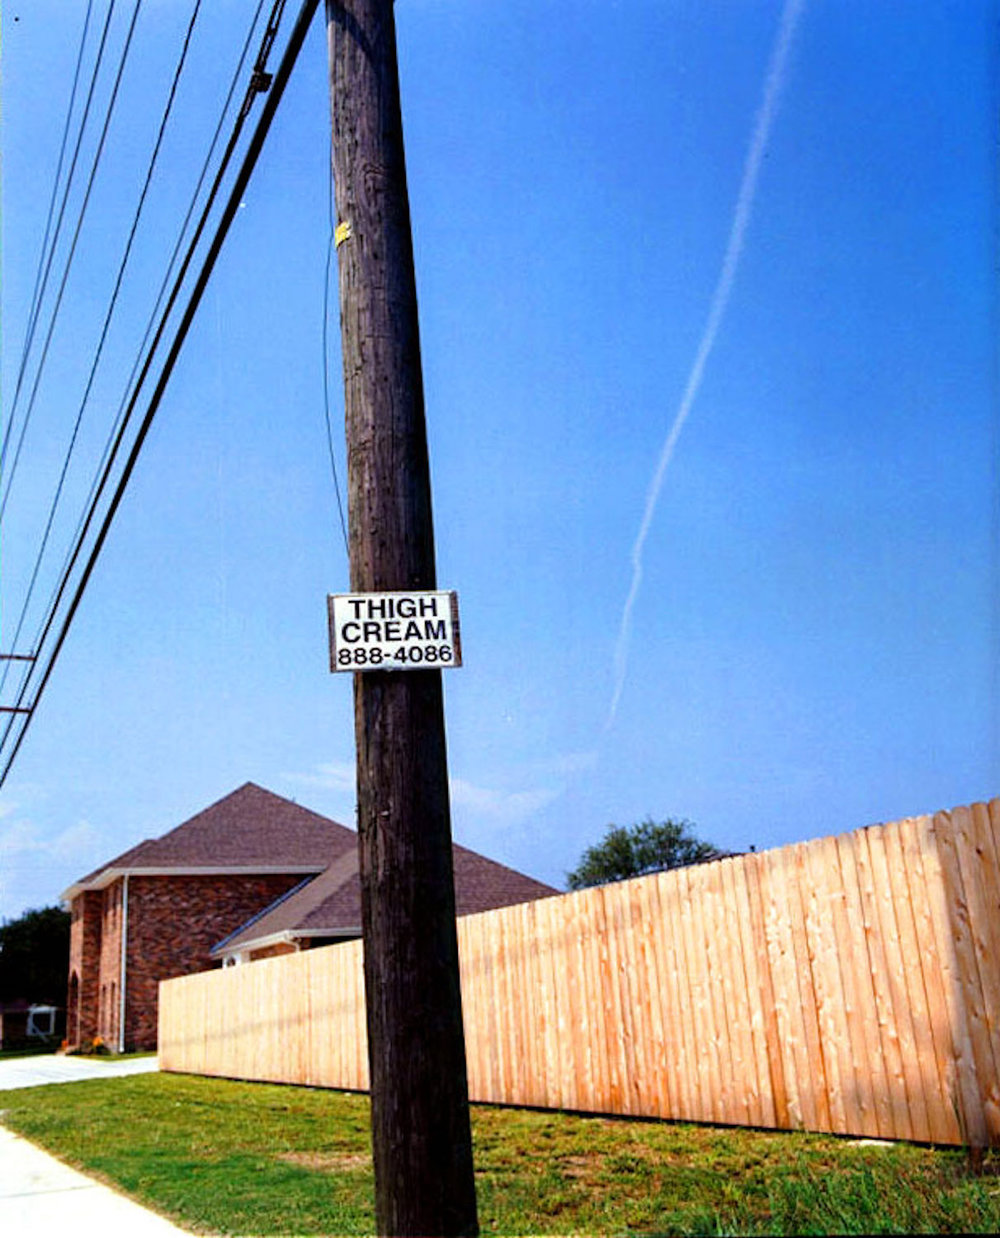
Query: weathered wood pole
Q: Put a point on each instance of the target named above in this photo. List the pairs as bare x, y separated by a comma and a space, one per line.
421, 1136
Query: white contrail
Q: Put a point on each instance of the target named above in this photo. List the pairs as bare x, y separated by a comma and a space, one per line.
720, 300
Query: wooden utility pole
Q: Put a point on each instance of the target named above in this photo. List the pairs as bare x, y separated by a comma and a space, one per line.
416, 1048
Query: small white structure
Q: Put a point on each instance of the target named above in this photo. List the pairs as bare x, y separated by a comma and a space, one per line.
41, 1022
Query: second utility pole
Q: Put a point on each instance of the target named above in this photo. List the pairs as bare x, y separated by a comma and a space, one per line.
421, 1137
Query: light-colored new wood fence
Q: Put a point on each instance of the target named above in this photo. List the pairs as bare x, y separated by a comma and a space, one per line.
850, 984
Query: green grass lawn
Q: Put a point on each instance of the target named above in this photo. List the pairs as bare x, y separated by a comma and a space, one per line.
237, 1158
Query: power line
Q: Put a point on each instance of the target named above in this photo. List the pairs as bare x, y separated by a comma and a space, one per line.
69, 260
36, 307
326, 359
36, 294
114, 439
280, 80
125, 408
104, 330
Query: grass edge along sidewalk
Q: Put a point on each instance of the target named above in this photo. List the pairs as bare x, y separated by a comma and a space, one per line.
223, 1157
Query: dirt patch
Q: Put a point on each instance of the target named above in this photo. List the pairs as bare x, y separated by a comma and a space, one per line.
327, 1162
580, 1166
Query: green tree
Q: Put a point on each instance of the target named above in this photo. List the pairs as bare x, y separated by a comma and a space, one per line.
649, 847
34, 956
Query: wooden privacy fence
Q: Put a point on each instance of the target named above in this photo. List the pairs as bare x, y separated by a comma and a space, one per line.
850, 984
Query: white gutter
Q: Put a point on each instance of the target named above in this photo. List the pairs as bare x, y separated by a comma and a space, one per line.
280, 938
108, 875
123, 978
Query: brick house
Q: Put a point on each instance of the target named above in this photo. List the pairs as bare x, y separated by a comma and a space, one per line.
252, 875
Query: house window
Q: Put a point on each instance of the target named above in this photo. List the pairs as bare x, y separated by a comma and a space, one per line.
41, 1022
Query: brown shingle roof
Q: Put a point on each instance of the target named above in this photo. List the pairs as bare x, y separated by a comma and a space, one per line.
249, 829
330, 904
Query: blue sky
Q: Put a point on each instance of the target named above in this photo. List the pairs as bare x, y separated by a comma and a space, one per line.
813, 646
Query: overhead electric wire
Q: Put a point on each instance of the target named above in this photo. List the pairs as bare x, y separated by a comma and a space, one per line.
123, 420
112, 438
127, 405
277, 88
33, 316
104, 332
69, 259
117, 431
36, 294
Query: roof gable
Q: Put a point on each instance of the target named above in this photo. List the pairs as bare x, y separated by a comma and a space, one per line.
330, 904
250, 828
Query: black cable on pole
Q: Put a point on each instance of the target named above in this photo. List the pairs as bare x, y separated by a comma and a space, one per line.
326, 368
99, 352
277, 89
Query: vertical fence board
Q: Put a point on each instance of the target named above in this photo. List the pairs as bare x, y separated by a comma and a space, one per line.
943, 1106
787, 1005
898, 1126
923, 1081
580, 1004
618, 1030
534, 1028
694, 949
550, 1002
708, 1056
965, 1092
992, 823
817, 874
517, 1007
662, 1100
738, 990
858, 937
546, 982
523, 1007
816, 1111
716, 932
762, 1111
974, 850
677, 1014
563, 967
900, 1022
556, 1025
636, 991
980, 1064
853, 1012
591, 911
757, 893
505, 1049
490, 1082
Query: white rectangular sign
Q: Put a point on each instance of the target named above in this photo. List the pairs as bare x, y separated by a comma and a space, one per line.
394, 631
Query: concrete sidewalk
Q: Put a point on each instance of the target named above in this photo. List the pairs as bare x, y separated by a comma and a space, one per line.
40, 1195
32, 1072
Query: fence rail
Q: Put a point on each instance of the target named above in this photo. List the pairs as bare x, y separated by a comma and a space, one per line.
849, 984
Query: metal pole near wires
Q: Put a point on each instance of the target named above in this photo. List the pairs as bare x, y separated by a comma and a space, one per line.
420, 1112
